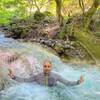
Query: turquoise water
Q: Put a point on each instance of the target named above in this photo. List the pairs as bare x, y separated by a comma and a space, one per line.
89, 90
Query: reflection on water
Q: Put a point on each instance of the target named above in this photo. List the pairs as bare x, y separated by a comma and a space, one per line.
89, 90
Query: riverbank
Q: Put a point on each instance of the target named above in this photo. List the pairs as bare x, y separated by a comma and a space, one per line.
72, 61
68, 50
46, 33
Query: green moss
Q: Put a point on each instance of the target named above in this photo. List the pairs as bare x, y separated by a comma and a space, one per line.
38, 16
90, 42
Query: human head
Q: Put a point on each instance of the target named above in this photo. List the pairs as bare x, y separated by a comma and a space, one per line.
47, 66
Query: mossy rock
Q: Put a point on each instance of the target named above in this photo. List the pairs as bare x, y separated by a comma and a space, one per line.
43, 16
38, 16
47, 13
20, 31
59, 48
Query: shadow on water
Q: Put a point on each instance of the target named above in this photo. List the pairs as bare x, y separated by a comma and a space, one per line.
89, 90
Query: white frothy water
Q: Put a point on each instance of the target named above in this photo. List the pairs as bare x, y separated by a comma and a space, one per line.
89, 90
5, 82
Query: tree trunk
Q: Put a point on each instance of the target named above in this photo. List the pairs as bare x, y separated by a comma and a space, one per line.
81, 4
88, 15
58, 11
36, 5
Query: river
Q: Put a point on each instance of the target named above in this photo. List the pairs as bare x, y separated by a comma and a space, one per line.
89, 90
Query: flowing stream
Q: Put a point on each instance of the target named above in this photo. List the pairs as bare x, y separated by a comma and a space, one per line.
89, 90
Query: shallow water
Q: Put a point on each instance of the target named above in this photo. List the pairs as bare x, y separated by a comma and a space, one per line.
89, 90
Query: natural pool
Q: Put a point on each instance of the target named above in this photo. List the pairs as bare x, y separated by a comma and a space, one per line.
89, 90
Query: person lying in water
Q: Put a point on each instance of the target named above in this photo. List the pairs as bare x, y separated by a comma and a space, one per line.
47, 77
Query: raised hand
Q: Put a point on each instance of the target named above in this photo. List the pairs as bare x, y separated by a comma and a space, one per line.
10, 73
81, 78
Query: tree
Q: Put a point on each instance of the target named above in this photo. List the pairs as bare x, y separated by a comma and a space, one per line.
88, 15
38, 4
58, 11
81, 4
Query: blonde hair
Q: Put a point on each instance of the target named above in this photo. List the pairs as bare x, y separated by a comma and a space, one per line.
47, 61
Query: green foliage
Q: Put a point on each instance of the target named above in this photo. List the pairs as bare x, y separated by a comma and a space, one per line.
68, 28
51, 7
48, 14
62, 34
4, 16
38, 16
21, 8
